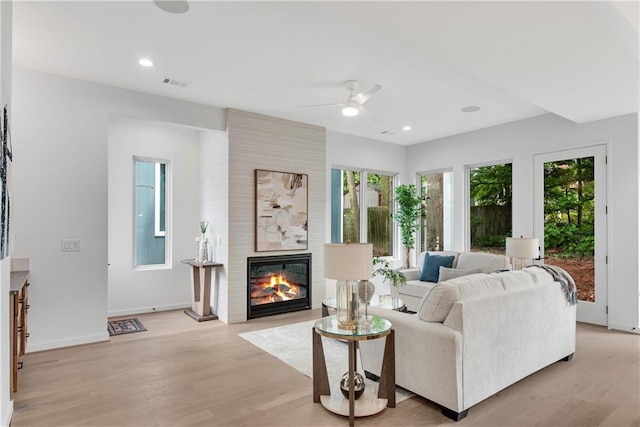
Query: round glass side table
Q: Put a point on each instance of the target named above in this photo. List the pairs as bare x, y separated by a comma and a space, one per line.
368, 404
385, 301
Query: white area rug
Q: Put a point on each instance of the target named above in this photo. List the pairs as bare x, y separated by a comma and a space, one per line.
293, 345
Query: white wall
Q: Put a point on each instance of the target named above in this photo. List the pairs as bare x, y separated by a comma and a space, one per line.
6, 405
137, 291
349, 151
519, 142
213, 180
60, 133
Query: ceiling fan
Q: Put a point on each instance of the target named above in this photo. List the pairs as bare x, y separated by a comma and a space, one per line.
353, 105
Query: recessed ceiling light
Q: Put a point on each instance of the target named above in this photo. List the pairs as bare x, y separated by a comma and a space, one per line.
470, 109
145, 62
406, 127
172, 6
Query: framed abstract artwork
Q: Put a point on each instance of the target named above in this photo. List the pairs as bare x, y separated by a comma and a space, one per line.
6, 157
281, 211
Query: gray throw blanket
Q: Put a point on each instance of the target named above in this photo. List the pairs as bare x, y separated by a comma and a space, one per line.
565, 279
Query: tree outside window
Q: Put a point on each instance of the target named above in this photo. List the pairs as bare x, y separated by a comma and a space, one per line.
437, 213
353, 206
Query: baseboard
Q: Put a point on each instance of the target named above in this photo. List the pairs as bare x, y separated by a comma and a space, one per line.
7, 419
625, 328
32, 348
151, 309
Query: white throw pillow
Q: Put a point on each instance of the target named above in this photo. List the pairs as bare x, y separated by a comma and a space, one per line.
452, 273
437, 303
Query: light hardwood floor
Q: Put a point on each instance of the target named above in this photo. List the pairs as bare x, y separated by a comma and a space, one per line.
181, 373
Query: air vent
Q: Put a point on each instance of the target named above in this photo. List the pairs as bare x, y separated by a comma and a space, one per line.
174, 82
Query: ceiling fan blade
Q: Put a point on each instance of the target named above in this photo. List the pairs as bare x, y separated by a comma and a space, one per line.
367, 114
363, 96
339, 104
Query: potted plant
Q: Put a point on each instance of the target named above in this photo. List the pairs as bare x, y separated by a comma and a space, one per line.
381, 268
409, 210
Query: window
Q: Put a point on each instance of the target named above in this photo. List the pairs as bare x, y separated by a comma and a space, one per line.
490, 190
150, 225
160, 199
355, 221
437, 213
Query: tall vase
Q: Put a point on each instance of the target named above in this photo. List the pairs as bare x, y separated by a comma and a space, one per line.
366, 289
202, 250
347, 307
198, 240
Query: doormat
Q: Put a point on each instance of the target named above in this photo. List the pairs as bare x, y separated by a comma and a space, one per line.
124, 326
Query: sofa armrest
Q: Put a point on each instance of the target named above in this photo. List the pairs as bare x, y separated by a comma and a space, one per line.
510, 335
411, 273
428, 357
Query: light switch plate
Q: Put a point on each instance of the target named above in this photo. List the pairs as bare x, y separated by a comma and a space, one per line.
71, 245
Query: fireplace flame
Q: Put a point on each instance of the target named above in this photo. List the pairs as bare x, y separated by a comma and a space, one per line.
276, 288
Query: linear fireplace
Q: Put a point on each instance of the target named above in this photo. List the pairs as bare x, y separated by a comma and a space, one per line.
278, 284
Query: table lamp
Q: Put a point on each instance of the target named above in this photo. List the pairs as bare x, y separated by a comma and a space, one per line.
348, 263
521, 249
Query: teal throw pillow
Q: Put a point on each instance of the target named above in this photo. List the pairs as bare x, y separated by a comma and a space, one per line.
431, 267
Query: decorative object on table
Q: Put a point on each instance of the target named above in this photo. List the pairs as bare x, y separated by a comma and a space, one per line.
366, 289
281, 211
522, 249
203, 242
407, 215
348, 263
124, 326
358, 381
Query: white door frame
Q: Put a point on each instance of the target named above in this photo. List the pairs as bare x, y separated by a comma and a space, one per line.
588, 312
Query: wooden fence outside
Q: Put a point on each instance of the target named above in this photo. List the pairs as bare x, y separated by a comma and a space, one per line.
490, 223
379, 229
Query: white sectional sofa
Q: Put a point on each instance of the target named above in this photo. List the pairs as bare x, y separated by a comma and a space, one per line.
475, 335
415, 289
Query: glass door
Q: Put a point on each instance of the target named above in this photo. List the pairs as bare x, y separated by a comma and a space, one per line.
570, 220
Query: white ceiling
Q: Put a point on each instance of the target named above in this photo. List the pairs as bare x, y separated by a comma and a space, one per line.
578, 60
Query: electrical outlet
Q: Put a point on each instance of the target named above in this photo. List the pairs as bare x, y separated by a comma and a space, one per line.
71, 245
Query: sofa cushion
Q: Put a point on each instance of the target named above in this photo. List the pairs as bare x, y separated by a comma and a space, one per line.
431, 267
487, 263
516, 279
437, 303
415, 288
452, 273
538, 274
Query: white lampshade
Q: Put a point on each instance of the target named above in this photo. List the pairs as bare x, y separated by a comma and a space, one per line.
348, 261
522, 247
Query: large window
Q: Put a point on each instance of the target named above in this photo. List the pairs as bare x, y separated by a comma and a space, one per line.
362, 213
490, 207
150, 225
437, 213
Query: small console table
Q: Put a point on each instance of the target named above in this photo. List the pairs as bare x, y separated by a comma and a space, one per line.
19, 305
368, 404
201, 290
